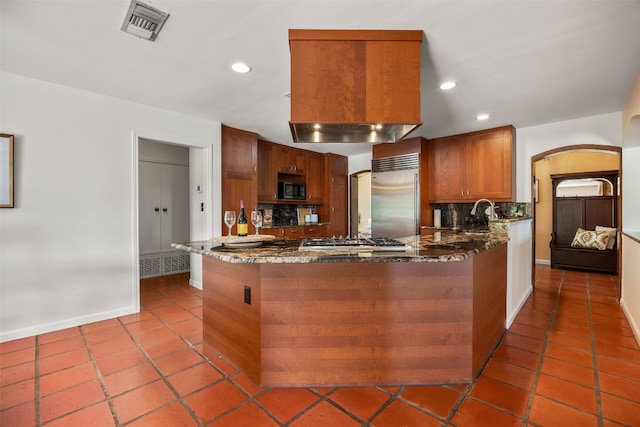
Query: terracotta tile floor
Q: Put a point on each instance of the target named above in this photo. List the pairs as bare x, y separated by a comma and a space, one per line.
570, 359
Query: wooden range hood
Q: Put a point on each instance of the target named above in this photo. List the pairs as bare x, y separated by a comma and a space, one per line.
354, 85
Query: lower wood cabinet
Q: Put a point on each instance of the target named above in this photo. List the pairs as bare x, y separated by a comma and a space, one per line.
297, 232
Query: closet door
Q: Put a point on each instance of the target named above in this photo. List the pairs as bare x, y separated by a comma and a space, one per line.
149, 206
175, 198
163, 206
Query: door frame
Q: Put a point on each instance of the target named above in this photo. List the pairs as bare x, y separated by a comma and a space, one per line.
564, 150
207, 189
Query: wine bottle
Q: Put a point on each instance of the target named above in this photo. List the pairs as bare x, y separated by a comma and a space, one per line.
243, 225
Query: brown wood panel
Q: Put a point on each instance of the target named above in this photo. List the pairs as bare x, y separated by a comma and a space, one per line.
230, 326
357, 323
353, 79
239, 150
315, 177
490, 164
235, 187
405, 146
392, 76
447, 172
363, 35
489, 303
371, 322
267, 173
569, 217
599, 211
324, 77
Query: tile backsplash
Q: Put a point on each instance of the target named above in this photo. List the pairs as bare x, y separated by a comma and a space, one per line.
458, 215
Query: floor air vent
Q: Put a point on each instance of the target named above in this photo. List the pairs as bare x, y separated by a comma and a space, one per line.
161, 264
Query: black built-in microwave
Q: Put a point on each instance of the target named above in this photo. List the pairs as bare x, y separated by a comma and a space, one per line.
291, 191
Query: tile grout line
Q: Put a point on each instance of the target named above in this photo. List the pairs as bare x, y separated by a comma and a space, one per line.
99, 377
594, 355
545, 342
37, 394
165, 380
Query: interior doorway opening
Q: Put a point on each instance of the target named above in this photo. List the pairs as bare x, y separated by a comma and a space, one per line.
360, 204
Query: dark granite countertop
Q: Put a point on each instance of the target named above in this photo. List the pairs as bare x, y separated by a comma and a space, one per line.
445, 246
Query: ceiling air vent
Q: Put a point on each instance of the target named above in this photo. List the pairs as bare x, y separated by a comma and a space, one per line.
143, 20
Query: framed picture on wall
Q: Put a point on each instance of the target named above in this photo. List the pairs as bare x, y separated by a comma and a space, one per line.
6, 170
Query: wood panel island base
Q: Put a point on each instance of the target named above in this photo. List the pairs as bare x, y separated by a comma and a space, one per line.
391, 322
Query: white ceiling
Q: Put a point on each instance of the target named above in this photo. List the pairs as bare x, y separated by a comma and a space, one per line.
524, 62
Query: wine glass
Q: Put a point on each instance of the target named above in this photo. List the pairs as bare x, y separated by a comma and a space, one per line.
256, 220
229, 219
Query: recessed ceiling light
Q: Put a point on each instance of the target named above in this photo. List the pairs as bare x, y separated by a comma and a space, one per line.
239, 67
482, 116
448, 85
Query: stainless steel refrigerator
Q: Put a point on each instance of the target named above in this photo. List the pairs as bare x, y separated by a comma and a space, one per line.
395, 196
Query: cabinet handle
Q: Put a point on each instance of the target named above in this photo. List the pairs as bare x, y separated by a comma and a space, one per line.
164, 209
461, 192
157, 209
467, 192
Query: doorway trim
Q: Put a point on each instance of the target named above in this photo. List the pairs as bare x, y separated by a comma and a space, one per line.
136, 136
353, 202
564, 150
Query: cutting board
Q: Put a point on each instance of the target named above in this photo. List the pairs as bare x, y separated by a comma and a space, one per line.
301, 213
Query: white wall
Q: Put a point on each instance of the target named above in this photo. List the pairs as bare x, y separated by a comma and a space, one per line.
601, 130
631, 192
68, 252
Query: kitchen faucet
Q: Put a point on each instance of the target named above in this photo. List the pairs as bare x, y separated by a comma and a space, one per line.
492, 212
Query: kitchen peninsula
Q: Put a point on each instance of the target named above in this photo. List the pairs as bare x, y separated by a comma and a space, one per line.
288, 317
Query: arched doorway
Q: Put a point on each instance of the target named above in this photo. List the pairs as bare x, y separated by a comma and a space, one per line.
574, 158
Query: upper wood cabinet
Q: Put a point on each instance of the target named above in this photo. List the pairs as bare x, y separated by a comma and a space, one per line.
239, 150
355, 76
289, 160
335, 208
473, 166
239, 170
267, 173
315, 177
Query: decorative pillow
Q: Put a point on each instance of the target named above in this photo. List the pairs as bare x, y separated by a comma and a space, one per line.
590, 239
612, 235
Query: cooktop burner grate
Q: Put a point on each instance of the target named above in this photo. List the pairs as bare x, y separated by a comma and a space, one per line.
362, 243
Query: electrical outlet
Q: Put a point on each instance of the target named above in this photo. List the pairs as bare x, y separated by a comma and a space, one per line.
247, 294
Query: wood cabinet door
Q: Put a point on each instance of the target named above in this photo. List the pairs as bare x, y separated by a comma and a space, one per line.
276, 231
315, 177
315, 231
239, 150
447, 171
267, 173
338, 211
236, 187
289, 160
489, 166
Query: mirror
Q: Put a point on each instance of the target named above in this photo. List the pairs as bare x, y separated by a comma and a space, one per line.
585, 187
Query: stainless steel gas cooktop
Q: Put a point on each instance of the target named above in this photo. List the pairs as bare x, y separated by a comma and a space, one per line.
352, 243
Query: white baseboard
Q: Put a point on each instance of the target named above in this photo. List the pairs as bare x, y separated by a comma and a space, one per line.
64, 324
195, 284
522, 301
543, 261
631, 320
